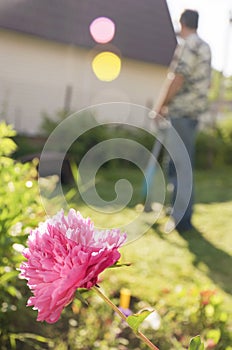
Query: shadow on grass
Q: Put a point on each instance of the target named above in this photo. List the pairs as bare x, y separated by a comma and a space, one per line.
218, 261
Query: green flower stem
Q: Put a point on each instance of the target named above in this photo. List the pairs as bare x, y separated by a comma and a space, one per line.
118, 311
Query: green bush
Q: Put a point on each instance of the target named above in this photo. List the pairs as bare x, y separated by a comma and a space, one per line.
93, 136
27, 145
49, 123
224, 132
209, 150
20, 210
214, 145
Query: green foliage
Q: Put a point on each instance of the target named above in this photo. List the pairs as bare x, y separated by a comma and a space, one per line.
209, 149
224, 134
91, 137
49, 123
27, 145
135, 320
214, 145
215, 85
184, 314
196, 344
7, 144
224, 128
228, 88
221, 87
20, 210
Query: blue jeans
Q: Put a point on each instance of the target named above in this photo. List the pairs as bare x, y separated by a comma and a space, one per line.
181, 150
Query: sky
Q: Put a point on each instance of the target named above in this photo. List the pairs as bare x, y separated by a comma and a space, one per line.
214, 27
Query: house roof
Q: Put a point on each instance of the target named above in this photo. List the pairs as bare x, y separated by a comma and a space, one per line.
143, 27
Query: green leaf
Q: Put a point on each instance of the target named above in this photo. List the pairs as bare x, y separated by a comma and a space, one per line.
70, 194
196, 344
80, 297
7, 146
118, 264
6, 130
8, 276
24, 336
12, 341
135, 320
75, 171
214, 334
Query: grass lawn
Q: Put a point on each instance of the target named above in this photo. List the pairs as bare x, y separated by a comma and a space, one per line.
160, 261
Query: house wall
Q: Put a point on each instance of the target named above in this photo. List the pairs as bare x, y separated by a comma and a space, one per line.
35, 74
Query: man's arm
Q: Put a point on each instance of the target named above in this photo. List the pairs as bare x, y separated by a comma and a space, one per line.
175, 83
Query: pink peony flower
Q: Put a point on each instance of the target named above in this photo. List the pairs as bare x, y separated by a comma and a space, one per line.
65, 253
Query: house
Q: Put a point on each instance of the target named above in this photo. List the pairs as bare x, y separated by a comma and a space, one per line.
47, 52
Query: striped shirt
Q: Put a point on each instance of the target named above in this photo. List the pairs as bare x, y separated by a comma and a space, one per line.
193, 61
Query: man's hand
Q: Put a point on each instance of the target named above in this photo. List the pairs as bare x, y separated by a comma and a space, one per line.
158, 112
159, 115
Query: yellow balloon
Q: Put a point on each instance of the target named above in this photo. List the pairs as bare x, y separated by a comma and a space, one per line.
106, 66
